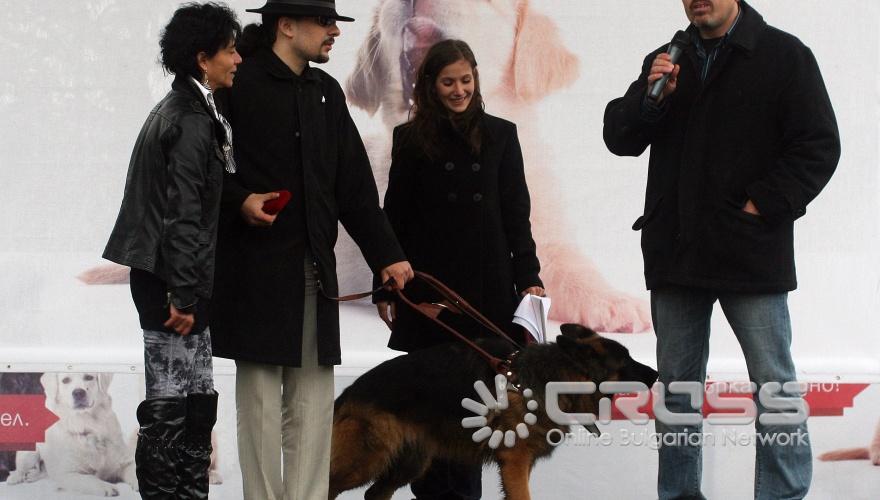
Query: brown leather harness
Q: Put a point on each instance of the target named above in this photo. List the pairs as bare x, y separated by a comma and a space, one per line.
502, 366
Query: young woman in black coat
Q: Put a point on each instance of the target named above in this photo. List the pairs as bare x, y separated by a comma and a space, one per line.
459, 205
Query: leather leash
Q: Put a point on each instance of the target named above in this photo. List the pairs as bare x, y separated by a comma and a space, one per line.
500, 366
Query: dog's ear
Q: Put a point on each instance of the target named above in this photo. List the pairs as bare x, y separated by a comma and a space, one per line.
104, 380
365, 85
576, 331
49, 382
566, 343
540, 64
576, 349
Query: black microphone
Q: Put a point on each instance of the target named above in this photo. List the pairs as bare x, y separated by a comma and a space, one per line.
676, 47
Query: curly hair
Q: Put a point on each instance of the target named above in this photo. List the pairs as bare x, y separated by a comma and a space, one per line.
429, 113
195, 28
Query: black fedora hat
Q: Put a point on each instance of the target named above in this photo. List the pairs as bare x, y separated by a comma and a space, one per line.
301, 8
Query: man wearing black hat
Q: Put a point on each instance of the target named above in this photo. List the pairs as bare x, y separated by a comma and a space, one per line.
275, 270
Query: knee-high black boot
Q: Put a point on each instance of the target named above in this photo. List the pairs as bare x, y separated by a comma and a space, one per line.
157, 457
195, 452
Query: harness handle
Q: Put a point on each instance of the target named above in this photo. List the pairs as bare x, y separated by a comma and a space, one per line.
497, 364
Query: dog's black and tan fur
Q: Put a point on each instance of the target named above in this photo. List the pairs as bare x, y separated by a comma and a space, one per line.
395, 419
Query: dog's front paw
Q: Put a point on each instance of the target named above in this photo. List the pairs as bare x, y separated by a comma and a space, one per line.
874, 454
581, 295
109, 491
214, 477
603, 310
15, 477
130, 478
28, 476
86, 484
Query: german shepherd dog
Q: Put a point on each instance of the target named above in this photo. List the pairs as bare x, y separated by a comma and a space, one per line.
395, 419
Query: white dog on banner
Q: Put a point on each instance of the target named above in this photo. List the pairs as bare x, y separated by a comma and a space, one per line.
84, 451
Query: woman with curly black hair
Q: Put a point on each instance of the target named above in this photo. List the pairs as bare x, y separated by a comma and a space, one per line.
166, 232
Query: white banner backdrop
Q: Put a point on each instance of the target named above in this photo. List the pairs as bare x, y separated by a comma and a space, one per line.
80, 77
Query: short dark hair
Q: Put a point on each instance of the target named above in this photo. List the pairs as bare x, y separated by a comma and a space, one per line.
196, 28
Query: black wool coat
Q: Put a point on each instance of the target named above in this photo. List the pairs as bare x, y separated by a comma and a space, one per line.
464, 219
259, 296
760, 127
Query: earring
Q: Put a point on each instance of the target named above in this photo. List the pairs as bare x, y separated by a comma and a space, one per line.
205, 83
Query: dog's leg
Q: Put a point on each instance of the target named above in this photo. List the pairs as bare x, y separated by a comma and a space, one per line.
129, 476
27, 468
872, 452
360, 451
582, 295
87, 484
515, 465
213, 470
874, 449
405, 468
105, 274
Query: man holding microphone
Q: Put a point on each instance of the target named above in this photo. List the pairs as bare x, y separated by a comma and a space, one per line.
743, 137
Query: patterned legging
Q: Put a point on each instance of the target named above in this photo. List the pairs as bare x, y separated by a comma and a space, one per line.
177, 365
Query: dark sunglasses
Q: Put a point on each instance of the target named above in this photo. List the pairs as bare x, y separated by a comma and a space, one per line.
325, 21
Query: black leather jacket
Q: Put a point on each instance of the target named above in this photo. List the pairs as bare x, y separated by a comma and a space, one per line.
167, 224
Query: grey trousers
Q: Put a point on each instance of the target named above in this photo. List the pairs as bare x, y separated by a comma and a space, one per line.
285, 419
177, 365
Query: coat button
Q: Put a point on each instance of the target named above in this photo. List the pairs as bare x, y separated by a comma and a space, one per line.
478, 197
475, 167
451, 197
449, 166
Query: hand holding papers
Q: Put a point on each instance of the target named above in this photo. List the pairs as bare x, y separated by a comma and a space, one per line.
531, 314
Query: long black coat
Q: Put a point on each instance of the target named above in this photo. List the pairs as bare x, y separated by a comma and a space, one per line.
761, 127
464, 219
260, 277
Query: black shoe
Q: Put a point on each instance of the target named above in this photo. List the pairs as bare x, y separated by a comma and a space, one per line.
157, 457
195, 450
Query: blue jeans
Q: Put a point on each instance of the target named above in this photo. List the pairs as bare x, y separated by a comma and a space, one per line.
762, 326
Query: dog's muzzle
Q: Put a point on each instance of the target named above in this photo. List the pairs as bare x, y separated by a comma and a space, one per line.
419, 34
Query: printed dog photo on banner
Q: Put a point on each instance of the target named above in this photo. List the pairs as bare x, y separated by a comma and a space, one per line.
84, 451
521, 59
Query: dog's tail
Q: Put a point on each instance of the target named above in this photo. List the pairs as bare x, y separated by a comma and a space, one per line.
846, 454
105, 274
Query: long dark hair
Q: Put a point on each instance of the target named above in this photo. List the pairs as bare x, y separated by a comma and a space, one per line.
428, 112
